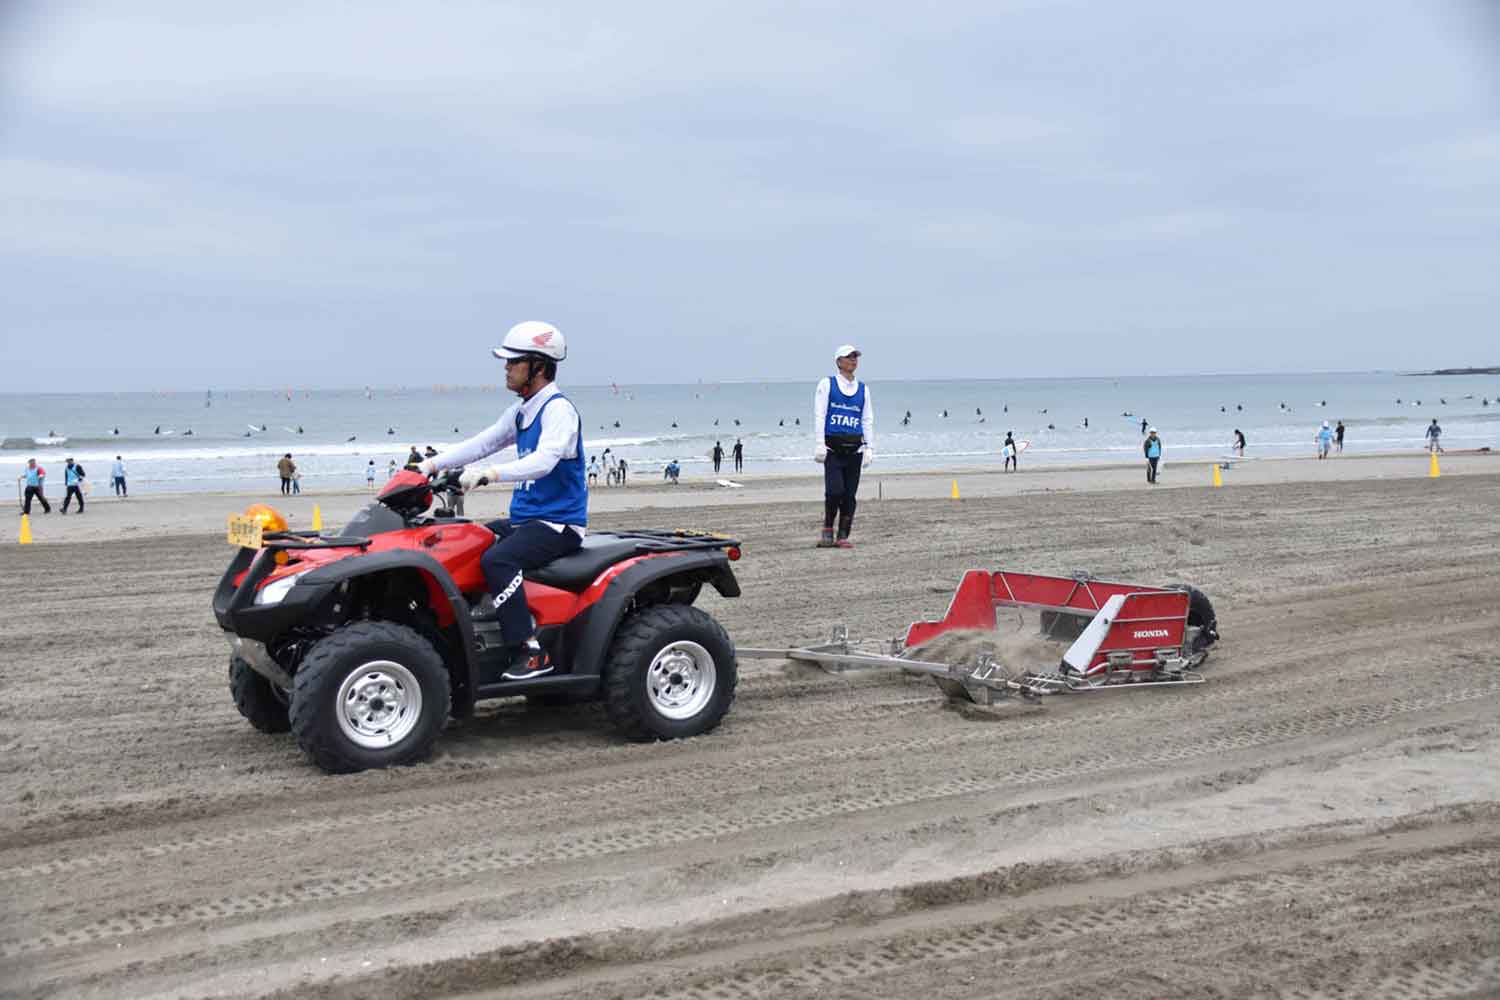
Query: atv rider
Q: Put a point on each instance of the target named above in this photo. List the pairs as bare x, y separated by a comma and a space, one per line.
549, 508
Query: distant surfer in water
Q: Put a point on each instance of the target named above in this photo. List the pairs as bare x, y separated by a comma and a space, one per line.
844, 432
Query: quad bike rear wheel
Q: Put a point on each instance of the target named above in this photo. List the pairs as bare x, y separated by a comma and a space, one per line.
670, 673
262, 703
370, 694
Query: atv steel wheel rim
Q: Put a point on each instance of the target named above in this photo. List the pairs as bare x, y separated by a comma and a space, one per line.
681, 680
379, 704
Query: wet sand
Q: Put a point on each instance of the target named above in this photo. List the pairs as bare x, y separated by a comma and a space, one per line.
1321, 819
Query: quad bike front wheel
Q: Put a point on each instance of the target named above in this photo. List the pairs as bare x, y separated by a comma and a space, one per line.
670, 673
370, 694
264, 705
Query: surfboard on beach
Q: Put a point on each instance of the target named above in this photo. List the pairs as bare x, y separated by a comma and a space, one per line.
730, 484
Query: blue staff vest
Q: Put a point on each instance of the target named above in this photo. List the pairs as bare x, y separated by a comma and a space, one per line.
562, 495
33, 477
846, 414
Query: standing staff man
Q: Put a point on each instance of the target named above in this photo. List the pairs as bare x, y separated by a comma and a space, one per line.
117, 477
550, 504
1152, 449
844, 425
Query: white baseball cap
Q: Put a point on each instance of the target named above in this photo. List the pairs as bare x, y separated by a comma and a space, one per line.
1325, 423
1151, 430
845, 350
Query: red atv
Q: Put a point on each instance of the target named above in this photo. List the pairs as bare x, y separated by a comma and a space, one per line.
362, 645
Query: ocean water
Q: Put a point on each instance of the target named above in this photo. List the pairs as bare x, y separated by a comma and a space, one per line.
236, 436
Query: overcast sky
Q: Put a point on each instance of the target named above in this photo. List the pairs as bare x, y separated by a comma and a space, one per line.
334, 194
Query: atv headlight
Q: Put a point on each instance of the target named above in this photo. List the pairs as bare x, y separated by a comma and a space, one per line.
275, 591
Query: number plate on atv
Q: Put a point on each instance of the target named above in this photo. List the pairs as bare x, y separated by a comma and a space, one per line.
244, 531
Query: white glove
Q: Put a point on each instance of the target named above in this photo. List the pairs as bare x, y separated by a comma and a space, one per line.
820, 453
868, 459
428, 468
478, 477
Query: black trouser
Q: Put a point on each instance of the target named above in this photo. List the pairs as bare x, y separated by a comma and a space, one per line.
286, 485
73, 491
840, 484
119, 485
1151, 469
518, 548
739, 463
717, 460
35, 491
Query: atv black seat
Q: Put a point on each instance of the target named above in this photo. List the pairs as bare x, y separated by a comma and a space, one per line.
577, 570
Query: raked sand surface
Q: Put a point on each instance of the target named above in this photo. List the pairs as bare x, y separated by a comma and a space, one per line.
1320, 819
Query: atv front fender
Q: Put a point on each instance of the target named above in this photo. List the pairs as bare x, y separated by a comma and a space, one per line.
440, 588
588, 635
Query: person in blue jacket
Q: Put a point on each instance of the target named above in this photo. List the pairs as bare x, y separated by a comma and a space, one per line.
844, 429
1152, 448
549, 507
73, 480
36, 485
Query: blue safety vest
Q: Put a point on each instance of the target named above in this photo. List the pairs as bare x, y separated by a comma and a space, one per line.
846, 414
33, 476
562, 495
70, 475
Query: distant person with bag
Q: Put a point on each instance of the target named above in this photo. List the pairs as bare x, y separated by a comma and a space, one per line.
284, 468
73, 479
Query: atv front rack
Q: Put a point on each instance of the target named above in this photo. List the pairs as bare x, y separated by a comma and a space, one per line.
312, 540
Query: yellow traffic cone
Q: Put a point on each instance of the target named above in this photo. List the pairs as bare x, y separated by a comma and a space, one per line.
1432, 468
25, 529
1218, 478
317, 518
954, 493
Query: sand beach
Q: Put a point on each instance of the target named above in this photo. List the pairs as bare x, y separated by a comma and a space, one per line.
1322, 818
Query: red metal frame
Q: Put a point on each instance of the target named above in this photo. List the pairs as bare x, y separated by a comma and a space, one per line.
1149, 619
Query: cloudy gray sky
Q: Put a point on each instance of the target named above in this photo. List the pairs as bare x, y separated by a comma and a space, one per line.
218, 194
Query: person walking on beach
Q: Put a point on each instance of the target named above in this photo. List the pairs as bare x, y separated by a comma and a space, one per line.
621, 472
1011, 453
73, 480
284, 468
1338, 437
296, 482
1239, 443
36, 486
844, 425
370, 475
1325, 440
739, 455
593, 470
718, 455
549, 506
117, 477
390, 470
1152, 449
1434, 437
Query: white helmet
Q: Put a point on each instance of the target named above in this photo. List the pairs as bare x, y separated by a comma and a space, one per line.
1325, 423
533, 337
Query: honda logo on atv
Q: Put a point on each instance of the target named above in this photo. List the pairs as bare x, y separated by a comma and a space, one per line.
1153, 633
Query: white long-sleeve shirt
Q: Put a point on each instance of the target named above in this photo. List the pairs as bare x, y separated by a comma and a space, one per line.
559, 440
848, 386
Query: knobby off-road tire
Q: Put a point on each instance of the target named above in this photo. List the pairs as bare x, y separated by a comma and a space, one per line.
370, 694
262, 703
670, 673
1200, 615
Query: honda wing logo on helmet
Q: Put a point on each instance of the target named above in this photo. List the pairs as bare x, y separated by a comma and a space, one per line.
542, 339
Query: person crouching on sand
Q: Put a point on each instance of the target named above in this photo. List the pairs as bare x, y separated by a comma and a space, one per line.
844, 425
